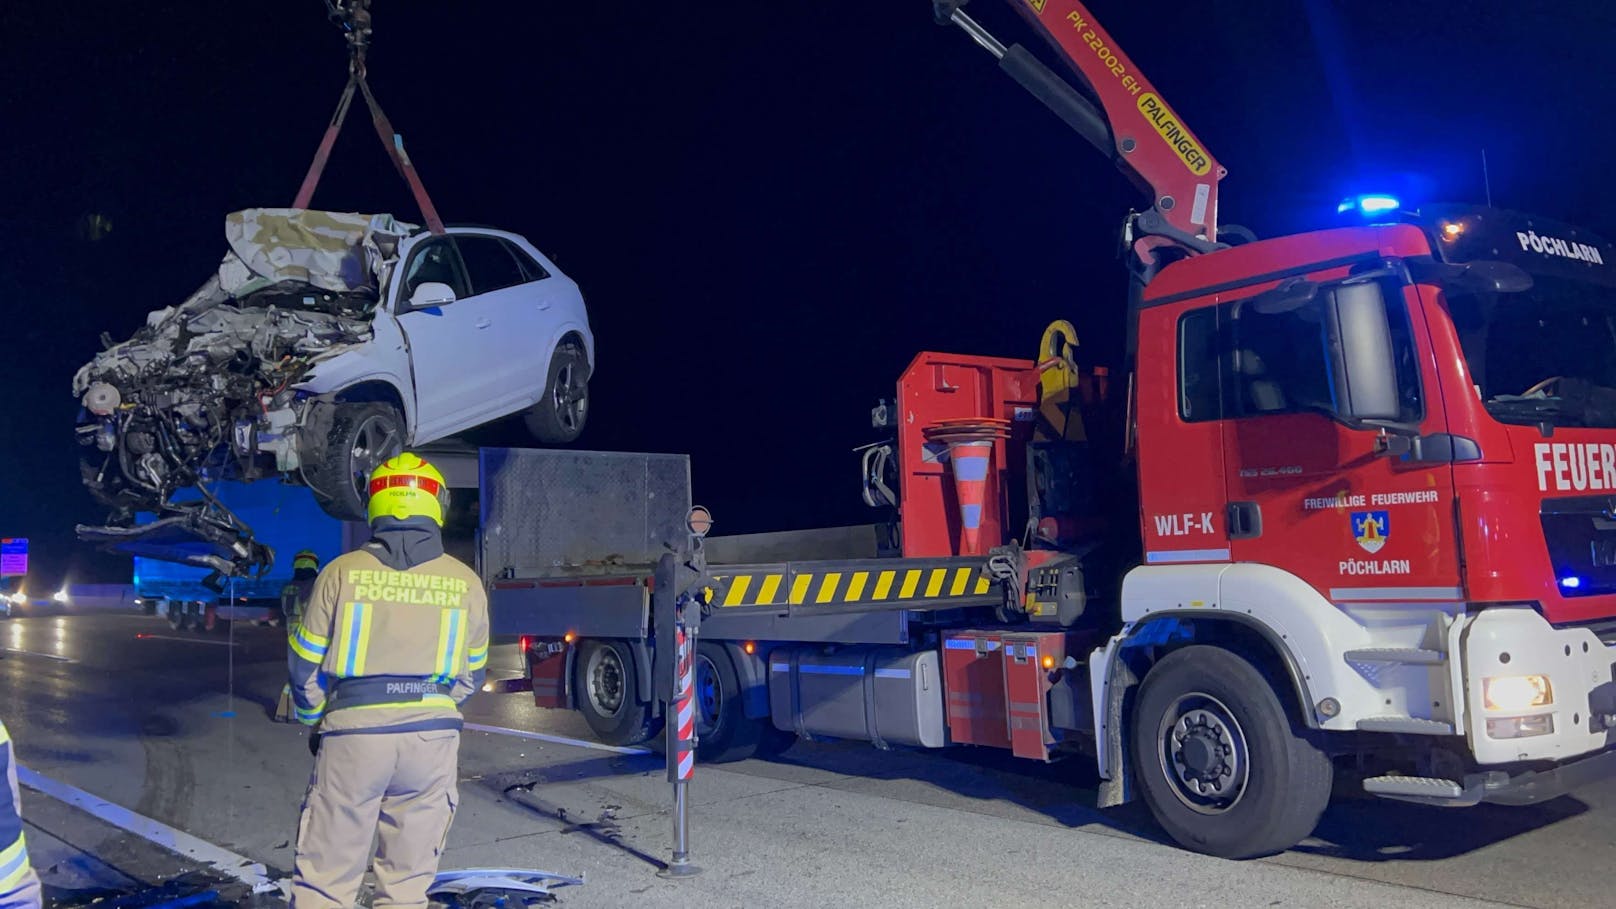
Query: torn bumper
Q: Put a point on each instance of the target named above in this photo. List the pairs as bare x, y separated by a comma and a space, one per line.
196, 538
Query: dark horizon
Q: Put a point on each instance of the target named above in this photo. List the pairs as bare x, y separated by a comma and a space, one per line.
770, 209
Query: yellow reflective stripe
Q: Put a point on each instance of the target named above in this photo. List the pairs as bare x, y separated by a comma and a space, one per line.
961, 577
5, 736
799, 588
883, 585
364, 639
431, 700
451, 638
855, 586
911, 580
827, 590
934, 585
309, 717
14, 864
303, 651
353, 639
771, 585
477, 657
737, 590
983, 585
311, 639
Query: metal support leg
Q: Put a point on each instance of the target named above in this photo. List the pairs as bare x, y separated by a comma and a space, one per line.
681, 733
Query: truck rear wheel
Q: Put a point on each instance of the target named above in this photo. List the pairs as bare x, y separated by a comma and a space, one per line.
1222, 767
724, 732
606, 683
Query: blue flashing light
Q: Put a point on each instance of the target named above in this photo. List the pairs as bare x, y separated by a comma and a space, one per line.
1571, 583
1369, 204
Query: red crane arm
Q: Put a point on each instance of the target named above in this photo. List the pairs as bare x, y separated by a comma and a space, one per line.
1137, 128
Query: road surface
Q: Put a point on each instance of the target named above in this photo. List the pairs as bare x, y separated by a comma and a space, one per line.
173, 726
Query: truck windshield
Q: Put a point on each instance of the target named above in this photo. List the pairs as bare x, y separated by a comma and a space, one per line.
1546, 355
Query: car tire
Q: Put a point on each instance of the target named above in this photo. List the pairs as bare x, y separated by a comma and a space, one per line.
559, 416
1220, 763
606, 681
361, 437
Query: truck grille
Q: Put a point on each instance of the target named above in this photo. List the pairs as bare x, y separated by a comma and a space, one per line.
1581, 535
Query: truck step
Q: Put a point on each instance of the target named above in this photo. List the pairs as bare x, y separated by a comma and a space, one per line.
1406, 655
1422, 787
1406, 724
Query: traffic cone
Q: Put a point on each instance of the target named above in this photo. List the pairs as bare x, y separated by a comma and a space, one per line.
283, 708
968, 458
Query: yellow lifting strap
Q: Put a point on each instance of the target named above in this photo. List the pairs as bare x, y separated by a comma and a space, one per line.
1058, 383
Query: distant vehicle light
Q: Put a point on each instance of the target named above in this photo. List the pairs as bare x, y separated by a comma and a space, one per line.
60, 596
1452, 230
1369, 204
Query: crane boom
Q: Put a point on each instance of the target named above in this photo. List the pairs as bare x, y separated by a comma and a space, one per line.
1134, 126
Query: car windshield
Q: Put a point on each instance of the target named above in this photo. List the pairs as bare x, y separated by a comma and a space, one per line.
1543, 356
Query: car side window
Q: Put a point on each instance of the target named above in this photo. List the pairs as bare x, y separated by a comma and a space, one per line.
435, 261
531, 269
1235, 362
489, 262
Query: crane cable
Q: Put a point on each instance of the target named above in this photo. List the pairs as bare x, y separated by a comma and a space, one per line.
353, 17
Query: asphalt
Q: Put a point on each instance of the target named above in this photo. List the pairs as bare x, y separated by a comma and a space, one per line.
174, 726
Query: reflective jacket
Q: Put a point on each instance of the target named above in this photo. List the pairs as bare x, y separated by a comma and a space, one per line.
293, 597
383, 650
19, 885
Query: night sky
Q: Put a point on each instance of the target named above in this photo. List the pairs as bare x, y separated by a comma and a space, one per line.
770, 207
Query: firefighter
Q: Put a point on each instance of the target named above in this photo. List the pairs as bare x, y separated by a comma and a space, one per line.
394, 639
19, 885
294, 598
295, 595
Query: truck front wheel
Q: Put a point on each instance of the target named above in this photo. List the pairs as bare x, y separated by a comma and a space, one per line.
605, 683
1220, 764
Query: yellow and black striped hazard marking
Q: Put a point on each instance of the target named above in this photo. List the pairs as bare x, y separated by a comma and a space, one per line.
805, 585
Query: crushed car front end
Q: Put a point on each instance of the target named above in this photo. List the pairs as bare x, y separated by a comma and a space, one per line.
209, 390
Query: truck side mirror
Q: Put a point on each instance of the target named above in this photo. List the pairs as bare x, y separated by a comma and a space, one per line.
430, 294
1364, 368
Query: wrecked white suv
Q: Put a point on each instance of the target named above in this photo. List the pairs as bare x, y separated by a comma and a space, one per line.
326, 343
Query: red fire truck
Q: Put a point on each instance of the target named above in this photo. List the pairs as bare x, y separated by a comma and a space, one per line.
1350, 509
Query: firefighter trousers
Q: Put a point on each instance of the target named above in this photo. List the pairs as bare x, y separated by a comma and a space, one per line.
398, 787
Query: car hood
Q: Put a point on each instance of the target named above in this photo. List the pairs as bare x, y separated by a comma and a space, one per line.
294, 285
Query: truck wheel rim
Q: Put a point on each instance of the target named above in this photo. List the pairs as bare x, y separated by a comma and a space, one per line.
571, 397
605, 675
374, 442
1203, 753
709, 696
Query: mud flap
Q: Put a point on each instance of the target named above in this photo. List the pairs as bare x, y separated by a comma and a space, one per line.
1116, 785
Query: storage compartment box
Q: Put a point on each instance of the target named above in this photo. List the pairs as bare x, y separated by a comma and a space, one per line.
973, 667
876, 694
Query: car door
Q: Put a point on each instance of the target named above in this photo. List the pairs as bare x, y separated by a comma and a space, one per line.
448, 342
1315, 496
504, 288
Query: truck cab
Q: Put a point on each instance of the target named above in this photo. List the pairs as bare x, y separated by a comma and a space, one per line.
1392, 448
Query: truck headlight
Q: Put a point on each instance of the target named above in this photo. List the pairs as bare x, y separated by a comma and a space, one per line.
1516, 692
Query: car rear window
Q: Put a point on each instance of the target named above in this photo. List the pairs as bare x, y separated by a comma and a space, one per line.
490, 264
531, 269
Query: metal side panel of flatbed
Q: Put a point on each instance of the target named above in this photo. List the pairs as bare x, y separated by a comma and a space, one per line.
569, 537
863, 601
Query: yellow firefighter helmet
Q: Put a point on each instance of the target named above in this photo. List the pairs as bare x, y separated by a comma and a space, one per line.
404, 486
